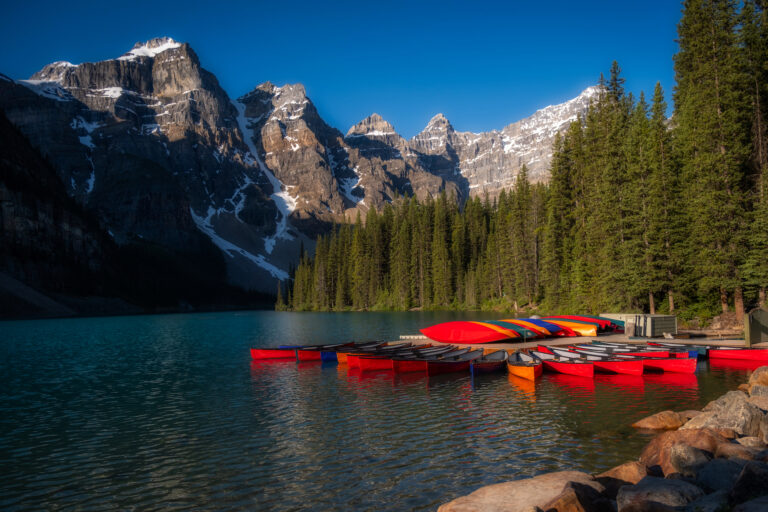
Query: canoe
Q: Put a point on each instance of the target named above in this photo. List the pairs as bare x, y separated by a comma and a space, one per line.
492, 362
746, 354
384, 361
699, 350
413, 363
353, 358
468, 332
650, 352
554, 329
566, 366
602, 324
452, 364
524, 366
580, 328
674, 365
273, 353
606, 364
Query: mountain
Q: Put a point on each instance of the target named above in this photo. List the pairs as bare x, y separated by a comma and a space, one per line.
152, 145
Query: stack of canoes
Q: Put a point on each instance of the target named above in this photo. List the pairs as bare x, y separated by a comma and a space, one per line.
489, 331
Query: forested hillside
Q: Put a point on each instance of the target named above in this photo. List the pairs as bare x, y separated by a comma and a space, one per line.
642, 212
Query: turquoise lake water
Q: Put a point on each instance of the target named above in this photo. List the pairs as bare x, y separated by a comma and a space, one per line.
169, 412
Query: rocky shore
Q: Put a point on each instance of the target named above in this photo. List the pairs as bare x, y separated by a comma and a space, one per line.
712, 460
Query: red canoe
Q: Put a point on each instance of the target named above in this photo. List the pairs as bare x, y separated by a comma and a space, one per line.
467, 332
455, 364
569, 367
747, 354
604, 364
673, 364
273, 353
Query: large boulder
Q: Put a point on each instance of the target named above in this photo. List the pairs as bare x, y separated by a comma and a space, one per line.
759, 401
719, 474
658, 451
520, 495
752, 442
759, 377
687, 460
652, 490
751, 483
628, 473
715, 502
733, 412
726, 401
577, 497
664, 420
756, 505
736, 451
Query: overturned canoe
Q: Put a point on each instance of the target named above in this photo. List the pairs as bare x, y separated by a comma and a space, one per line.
468, 332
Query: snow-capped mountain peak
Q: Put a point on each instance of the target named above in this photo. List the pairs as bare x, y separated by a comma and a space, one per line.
151, 48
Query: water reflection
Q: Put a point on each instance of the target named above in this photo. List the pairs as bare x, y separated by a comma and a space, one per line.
169, 412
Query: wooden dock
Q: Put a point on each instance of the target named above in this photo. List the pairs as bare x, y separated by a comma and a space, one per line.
419, 339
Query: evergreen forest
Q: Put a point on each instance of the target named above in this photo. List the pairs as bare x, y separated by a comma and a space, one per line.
643, 211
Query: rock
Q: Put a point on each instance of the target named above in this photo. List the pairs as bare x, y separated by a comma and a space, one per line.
686, 460
760, 401
719, 474
762, 456
751, 442
715, 502
520, 495
756, 505
657, 452
759, 377
664, 420
751, 483
579, 498
688, 414
628, 473
652, 490
725, 401
736, 451
731, 411
758, 390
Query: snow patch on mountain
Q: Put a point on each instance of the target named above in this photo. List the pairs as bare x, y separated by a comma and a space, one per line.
230, 249
151, 48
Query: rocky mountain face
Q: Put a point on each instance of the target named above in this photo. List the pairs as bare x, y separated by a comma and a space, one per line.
154, 146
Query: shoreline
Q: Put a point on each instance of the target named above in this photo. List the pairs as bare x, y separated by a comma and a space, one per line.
711, 460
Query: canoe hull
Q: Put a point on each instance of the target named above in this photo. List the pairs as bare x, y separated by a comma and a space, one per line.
528, 372
272, 353
578, 369
374, 363
674, 365
309, 355
487, 366
747, 354
439, 367
623, 367
405, 366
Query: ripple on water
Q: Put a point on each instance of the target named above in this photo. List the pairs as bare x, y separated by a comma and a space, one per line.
168, 412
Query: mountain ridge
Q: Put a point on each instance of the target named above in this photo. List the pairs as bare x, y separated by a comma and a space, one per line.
259, 175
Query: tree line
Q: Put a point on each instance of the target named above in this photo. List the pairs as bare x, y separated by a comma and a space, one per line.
642, 212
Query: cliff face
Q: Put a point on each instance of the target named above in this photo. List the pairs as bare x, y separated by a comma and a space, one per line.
153, 146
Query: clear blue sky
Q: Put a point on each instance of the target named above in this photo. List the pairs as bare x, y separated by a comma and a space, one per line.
483, 65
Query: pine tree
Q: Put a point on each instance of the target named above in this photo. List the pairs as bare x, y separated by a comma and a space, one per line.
712, 145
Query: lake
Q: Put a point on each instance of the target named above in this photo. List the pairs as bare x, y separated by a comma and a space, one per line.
169, 412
